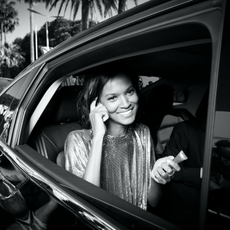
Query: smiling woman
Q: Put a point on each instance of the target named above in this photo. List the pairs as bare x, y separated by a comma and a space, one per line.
114, 152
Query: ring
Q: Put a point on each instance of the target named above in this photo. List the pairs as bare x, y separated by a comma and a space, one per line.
171, 175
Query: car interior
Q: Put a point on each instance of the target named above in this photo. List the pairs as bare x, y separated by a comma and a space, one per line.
183, 61
49, 140
158, 113
163, 104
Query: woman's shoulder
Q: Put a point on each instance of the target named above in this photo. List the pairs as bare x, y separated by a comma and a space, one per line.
80, 134
140, 127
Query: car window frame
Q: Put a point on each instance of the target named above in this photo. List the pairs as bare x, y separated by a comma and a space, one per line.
43, 102
34, 77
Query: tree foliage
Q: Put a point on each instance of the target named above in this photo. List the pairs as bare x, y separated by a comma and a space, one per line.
122, 5
10, 58
88, 8
59, 30
8, 18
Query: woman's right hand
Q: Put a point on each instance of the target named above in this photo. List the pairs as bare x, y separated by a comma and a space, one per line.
98, 115
163, 169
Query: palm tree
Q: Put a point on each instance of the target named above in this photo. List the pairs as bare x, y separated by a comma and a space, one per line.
88, 7
31, 3
122, 5
10, 57
8, 18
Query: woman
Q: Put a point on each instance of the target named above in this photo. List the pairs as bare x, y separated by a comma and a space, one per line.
113, 152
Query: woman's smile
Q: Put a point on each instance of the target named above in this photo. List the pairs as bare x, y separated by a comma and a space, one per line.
126, 113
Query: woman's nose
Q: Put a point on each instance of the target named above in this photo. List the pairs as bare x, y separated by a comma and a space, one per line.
125, 102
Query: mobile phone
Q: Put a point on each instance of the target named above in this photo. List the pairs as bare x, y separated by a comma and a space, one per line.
97, 101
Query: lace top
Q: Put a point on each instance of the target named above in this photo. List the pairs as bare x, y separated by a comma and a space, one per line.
126, 161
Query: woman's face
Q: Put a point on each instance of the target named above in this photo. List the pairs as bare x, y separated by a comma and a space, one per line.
121, 100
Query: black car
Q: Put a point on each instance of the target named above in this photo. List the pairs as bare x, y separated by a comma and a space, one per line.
181, 43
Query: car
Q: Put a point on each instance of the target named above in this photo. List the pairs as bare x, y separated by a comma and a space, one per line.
181, 43
4, 82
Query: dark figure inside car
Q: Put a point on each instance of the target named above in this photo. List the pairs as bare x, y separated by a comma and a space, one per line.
182, 195
112, 151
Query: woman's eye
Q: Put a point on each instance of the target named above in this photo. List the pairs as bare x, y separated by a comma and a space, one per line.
112, 98
131, 92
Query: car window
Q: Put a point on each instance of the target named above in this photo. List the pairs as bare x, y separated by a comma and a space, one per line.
145, 81
8, 104
180, 96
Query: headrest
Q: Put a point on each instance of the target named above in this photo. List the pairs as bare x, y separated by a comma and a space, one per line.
159, 103
64, 109
160, 98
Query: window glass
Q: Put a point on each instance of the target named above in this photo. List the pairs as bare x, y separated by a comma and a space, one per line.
8, 104
73, 80
145, 81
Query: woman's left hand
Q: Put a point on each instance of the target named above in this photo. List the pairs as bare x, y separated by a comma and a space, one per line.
163, 169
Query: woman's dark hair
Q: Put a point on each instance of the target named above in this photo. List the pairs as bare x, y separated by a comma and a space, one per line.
93, 86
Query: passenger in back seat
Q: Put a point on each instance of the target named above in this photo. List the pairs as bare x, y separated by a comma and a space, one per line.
182, 195
189, 137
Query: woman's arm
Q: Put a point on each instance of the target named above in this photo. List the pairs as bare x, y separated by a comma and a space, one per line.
160, 175
93, 168
98, 115
155, 193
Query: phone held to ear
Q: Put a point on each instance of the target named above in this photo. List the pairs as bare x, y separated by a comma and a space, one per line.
97, 101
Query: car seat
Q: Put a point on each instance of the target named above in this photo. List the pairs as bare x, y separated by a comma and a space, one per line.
173, 117
159, 103
49, 140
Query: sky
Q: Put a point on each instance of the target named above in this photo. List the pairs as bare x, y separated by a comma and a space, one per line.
39, 20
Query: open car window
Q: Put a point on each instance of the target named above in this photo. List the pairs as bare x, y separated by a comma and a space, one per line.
46, 144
